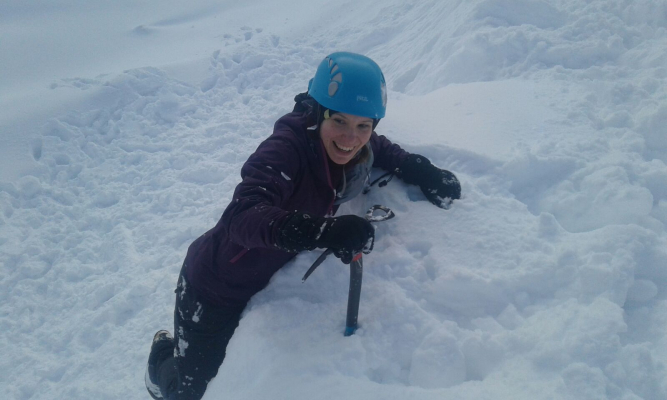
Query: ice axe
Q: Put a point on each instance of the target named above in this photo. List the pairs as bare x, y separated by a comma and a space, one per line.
356, 271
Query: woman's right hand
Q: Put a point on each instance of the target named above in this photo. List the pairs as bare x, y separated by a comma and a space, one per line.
347, 235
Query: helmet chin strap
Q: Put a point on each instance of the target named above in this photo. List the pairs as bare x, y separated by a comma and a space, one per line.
328, 113
322, 116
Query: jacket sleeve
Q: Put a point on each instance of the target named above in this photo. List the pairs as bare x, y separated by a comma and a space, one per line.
268, 180
387, 155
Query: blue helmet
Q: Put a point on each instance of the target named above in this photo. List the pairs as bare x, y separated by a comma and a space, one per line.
350, 83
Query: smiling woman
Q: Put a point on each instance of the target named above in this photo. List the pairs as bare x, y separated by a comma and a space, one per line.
344, 135
318, 157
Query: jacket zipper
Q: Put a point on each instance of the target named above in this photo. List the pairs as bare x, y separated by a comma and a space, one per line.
326, 168
238, 256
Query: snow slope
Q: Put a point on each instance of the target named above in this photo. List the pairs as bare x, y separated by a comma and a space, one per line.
124, 127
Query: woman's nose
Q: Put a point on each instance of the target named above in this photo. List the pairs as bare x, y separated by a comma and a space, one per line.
348, 132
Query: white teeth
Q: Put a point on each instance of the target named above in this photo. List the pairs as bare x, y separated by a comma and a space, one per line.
343, 148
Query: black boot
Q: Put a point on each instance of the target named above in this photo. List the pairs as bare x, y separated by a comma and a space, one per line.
162, 348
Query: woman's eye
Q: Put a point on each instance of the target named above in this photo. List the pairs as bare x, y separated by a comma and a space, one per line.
339, 121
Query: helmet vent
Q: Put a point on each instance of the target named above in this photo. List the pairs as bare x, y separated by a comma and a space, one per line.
333, 88
334, 69
383, 88
335, 80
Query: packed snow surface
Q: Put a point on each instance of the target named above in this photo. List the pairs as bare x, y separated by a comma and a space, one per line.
124, 126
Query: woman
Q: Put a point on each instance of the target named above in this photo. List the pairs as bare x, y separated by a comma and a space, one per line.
318, 157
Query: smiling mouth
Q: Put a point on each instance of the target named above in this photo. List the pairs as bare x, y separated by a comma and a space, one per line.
342, 148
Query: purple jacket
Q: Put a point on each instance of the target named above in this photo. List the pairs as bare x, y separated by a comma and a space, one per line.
288, 171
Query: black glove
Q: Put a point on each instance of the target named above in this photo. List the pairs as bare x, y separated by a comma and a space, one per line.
347, 235
439, 186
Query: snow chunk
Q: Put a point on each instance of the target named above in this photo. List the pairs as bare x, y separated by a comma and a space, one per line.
181, 344
197, 315
642, 291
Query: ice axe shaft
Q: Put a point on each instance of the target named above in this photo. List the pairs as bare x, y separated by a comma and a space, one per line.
354, 295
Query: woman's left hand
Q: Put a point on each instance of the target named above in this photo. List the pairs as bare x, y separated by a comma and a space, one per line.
440, 186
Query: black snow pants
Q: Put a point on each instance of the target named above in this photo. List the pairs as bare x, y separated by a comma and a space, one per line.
201, 333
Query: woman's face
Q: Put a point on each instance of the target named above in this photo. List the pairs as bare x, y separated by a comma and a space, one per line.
344, 135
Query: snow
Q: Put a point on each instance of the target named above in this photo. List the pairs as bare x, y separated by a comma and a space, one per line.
124, 126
